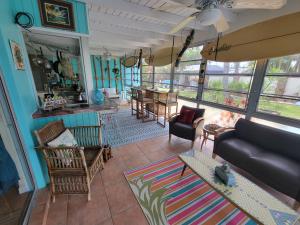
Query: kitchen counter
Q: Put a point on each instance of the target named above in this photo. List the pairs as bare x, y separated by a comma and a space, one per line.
107, 106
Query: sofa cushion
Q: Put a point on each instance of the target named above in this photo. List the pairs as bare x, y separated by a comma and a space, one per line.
237, 151
198, 112
282, 173
182, 130
269, 138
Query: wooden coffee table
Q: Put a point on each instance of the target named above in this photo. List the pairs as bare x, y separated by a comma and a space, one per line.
245, 195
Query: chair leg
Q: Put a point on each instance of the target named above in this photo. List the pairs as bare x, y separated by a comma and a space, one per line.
89, 196
296, 205
193, 142
170, 135
214, 155
53, 198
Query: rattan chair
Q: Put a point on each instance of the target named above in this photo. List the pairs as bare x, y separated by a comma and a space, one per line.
83, 161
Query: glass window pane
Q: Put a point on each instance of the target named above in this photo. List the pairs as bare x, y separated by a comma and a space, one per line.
147, 84
147, 69
187, 92
162, 87
289, 86
230, 67
192, 53
188, 67
162, 78
287, 64
236, 100
186, 80
279, 106
148, 77
221, 117
232, 83
163, 69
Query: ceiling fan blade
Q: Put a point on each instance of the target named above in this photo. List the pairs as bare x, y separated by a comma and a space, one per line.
258, 4
182, 24
221, 24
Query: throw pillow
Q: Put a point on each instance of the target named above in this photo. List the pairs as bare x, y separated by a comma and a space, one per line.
186, 116
66, 138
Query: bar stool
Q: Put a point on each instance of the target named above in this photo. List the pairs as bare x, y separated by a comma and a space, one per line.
167, 101
147, 105
133, 99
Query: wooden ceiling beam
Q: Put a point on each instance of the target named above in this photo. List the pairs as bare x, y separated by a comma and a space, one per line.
135, 24
128, 31
144, 11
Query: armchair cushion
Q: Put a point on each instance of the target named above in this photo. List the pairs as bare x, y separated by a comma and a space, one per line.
198, 112
183, 130
66, 138
186, 116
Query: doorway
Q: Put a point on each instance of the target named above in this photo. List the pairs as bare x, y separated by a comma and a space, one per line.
16, 181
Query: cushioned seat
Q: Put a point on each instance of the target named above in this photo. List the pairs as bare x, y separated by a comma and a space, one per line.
182, 130
277, 171
238, 151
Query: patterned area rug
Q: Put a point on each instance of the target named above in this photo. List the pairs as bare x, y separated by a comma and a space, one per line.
167, 198
122, 128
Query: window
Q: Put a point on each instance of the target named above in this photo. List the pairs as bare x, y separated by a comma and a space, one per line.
186, 75
228, 83
147, 75
162, 77
280, 94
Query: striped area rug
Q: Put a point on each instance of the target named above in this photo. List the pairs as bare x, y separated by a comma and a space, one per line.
167, 198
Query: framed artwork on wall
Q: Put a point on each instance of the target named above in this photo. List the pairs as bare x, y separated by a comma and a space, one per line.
17, 55
57, 14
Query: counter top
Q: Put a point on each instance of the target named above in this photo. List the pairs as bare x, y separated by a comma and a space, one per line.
106, 106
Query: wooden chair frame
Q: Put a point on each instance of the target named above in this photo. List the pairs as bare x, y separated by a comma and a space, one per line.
71, 169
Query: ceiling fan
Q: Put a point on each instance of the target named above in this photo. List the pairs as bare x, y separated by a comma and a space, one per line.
211, 12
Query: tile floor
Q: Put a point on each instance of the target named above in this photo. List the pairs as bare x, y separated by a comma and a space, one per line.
112, 200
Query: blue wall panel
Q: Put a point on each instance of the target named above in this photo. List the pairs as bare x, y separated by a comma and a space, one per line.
20, 82
32, 7
106, 81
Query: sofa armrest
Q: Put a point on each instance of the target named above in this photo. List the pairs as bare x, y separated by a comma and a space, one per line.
222, 137
173, 117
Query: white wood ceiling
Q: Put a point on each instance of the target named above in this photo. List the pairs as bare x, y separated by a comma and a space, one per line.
124, 26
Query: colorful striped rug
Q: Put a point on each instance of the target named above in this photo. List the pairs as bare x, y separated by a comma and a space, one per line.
167, 198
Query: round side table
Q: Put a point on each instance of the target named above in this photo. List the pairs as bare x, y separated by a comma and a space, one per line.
210, 129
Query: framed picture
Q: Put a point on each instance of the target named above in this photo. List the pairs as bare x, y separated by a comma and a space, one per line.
17, 55
57, 14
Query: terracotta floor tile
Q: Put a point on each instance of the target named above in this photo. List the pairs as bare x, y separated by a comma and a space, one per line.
83, 212
107, 222
158, 155
120, 197
37, 215
113, 171
57, 214
131, 216
136, 161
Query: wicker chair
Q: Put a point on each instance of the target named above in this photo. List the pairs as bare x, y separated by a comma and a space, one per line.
84, 161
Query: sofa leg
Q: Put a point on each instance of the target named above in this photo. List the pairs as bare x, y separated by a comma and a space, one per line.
170, 137
296, 205
192, 144
214, 155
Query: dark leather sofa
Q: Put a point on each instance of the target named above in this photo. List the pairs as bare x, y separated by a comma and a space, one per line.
269, 154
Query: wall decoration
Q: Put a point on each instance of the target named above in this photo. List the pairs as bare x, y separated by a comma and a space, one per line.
17, 55
57, 14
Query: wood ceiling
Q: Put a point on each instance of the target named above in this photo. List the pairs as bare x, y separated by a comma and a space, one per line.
123, 26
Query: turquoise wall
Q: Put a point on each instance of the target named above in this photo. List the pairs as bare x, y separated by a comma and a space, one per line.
32, 7
20, 82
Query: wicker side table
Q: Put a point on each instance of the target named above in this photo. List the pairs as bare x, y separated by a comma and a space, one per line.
210, 129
